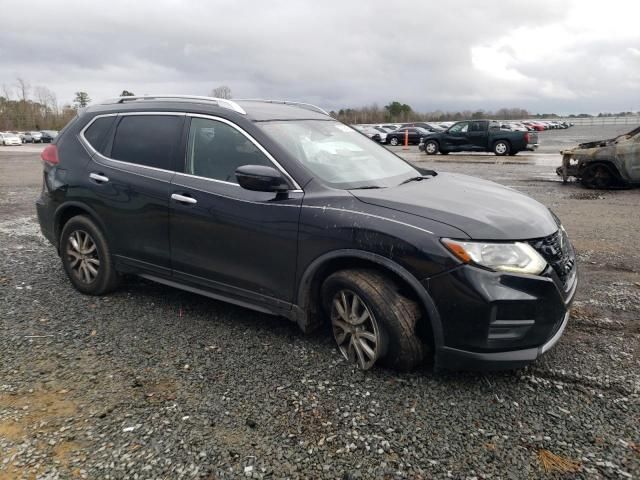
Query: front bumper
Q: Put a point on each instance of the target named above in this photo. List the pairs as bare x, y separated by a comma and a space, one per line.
455, 359
495, 320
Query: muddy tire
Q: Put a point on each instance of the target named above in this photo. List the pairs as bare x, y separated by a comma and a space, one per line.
86, 257
392, 319
501, 148
598, 176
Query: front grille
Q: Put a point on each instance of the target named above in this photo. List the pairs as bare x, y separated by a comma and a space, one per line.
558, 252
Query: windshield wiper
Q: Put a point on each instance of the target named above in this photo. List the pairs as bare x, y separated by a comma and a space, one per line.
425, 174
366, 187
413, 179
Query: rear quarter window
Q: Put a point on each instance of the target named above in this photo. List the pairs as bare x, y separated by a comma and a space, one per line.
148, 140
97, 132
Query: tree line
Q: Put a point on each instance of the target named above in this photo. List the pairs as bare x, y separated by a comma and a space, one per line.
396, 112
25, 108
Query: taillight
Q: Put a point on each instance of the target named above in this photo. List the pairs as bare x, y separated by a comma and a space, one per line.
50, 155
526, 137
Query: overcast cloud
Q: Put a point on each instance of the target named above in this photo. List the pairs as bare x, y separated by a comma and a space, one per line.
547, 56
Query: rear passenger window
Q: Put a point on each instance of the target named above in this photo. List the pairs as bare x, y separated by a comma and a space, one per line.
96, 134
149, 140
215, 150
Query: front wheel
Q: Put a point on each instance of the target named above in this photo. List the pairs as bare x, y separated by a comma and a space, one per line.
372, 321
431, 147
86, 257
394, 141
501, 148
597, 176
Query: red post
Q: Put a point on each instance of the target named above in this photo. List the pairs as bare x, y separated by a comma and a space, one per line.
406, 140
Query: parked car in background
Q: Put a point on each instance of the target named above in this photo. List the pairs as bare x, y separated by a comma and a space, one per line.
32, 137
383, 132
445, 125
48, 136
413, 134
479, 136
515, 126
538, 127
429, 127
401, 263
9, 138
604, 163
370, 132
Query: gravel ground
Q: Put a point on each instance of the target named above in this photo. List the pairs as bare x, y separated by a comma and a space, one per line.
152, 382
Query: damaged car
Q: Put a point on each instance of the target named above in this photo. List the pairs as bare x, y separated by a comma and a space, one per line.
613, 163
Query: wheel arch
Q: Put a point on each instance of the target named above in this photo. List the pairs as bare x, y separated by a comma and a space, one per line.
610, 164
67, 211
308, 302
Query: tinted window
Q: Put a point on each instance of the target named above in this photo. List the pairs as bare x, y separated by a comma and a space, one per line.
150, 140
215, 150
96, 134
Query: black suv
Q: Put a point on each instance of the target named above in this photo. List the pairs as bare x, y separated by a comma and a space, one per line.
277, 207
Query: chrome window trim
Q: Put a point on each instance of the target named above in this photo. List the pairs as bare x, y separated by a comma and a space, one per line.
88, 145
96, 154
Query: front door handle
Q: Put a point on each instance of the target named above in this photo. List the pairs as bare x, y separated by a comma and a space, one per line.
98, 177
183, 199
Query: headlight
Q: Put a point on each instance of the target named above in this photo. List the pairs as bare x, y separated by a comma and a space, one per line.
515, 257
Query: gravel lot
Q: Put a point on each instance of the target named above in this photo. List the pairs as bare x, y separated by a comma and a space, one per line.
152, 382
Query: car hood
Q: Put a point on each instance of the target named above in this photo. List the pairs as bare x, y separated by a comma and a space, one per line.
482, 209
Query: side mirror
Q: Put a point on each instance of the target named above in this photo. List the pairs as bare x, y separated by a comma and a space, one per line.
261, 179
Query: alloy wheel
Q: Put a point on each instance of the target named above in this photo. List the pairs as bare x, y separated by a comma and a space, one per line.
355, 329
501, 148
82, 255
431, 148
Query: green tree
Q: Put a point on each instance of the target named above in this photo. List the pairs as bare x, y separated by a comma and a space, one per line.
81, 99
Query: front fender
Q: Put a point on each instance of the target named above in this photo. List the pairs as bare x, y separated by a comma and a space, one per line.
304, 296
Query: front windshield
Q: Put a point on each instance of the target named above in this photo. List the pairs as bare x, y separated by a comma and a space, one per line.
339, 155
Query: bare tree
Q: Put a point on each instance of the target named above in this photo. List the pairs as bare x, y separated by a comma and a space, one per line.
221, 92
23, 88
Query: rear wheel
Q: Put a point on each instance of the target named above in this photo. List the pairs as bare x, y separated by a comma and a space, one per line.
371, 321
86, 257
598, 176
431, 147
501, 148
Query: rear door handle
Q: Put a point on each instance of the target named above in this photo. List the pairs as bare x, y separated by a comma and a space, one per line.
98, 177
183, 199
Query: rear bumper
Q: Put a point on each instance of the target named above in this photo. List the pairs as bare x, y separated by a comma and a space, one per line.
46, 217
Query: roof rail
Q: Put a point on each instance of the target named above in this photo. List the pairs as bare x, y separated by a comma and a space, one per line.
221, 102
307, 106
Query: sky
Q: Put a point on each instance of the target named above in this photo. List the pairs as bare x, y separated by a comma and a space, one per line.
569, 56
